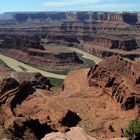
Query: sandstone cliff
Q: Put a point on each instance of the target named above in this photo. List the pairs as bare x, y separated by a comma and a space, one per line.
130, 18
119, 78
21, 42
115, 33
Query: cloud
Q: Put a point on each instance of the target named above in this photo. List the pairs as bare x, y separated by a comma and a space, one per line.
114, 7
86, 5
60, 3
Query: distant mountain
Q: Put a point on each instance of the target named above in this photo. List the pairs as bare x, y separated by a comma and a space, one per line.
6, 16
71, 16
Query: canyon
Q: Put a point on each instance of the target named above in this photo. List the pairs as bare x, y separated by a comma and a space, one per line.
69, 74
99, 33
101, 100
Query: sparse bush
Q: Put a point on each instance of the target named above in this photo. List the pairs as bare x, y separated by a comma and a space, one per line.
133, 130
56, 88
57, 84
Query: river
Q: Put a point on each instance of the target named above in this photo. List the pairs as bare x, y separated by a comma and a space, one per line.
19, 66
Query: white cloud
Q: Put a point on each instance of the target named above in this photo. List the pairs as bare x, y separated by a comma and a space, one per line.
86, 5
60, 3
113, 7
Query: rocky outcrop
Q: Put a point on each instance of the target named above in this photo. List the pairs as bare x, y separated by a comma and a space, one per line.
23, 128
58, 38
36, 80
28, 125
40, 81
103, 50
24, 90
58, 57
102, 101
21, 89
75, 133
119, 78
130, 18
119, 43
71, 119
20, 42
8, 84
24, 16
121, 17
109, 30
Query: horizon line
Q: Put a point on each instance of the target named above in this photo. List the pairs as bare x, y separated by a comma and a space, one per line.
35, 11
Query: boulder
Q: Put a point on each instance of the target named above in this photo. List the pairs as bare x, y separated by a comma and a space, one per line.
75, 133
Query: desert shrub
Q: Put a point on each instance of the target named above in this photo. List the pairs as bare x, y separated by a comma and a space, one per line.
57, 84
133, 130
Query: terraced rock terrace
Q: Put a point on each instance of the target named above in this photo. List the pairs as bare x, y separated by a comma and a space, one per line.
58, 78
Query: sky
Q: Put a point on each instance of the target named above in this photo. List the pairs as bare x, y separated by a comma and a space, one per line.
69, 5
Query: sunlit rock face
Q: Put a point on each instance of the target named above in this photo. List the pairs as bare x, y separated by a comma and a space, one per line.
120, 78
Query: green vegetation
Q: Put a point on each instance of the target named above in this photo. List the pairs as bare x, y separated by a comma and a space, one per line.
63, 72
133, 130
56, 81
57, 84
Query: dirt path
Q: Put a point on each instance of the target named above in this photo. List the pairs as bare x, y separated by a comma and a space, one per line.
18, 66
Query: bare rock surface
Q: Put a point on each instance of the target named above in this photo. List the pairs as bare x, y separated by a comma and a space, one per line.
75, 133
108, 33
101, 100
119, 78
